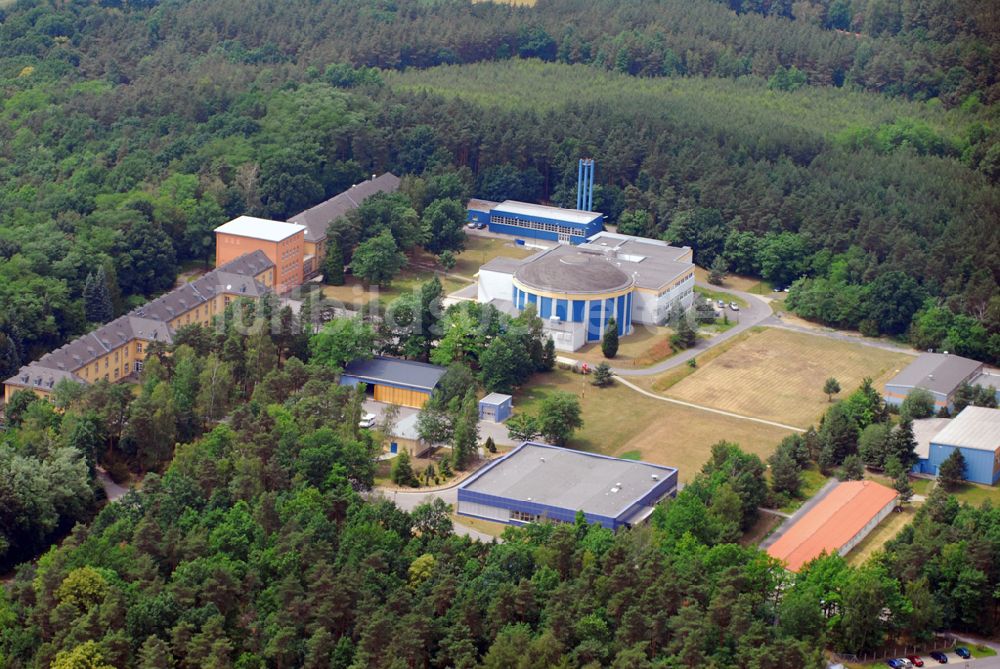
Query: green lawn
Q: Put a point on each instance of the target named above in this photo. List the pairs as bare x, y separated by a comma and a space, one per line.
715, 296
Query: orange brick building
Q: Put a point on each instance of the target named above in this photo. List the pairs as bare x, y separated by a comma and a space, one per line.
283, 243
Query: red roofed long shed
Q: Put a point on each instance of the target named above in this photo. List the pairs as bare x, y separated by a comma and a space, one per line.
838, 523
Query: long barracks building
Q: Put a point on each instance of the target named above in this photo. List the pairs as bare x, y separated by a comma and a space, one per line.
116, 351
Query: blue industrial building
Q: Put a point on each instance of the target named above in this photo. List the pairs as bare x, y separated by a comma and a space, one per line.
495, 407
536, 221
975, 432
941, 375
537, 482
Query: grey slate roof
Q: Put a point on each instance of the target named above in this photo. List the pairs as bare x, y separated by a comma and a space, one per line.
975, 427
937, 372
35, 376
319, 217
419, 375
569, 269
149, 322
568, 479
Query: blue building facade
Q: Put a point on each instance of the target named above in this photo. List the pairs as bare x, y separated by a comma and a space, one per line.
533, 497
980, 466
593, 314
536, 221
496, 407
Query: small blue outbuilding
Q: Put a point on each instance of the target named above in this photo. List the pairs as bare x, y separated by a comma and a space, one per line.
495, 407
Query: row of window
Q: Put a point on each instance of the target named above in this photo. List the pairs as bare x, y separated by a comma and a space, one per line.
536, 225
524, 516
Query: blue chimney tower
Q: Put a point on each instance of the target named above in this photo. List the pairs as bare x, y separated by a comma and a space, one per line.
585, 184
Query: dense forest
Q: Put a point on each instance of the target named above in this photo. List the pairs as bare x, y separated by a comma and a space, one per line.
847, 148
255, 543
130, 130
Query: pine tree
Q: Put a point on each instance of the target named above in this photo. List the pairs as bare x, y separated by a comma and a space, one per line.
466, 434
952, 470
685, 337
902, 486
402, 471
333, 263
717, 274
903, 444
102, 297
602, 375
549, 356
89, 306
609, 343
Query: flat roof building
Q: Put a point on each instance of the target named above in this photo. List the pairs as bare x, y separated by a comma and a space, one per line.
836, 524
941, 374
283, 243
495, 407
976, 433
541, 482
578, 289
537, 221
395, 381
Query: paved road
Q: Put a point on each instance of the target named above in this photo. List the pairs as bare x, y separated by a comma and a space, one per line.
408, 501
112, 490
756, 312
776, 322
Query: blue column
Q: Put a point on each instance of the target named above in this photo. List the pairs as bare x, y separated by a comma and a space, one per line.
579, 184
590, 188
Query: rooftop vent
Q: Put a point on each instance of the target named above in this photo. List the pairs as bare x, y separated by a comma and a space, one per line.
542, 459
615, 489
655, 477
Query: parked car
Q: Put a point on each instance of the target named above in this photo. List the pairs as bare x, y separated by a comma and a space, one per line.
368, 420
915, 659
940, 657
722, 304
777, 289
471, 226
894, 663
904, 663
481, 226
963, 652
734, 306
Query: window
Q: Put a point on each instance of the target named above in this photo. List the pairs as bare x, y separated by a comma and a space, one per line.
138, 347
116, 356
523, 516
138, 365
125, 369
107, 362
116, 373
126, 351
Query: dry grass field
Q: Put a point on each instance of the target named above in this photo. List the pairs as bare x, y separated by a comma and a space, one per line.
478, 251
619, 421
648, 344
778, 375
